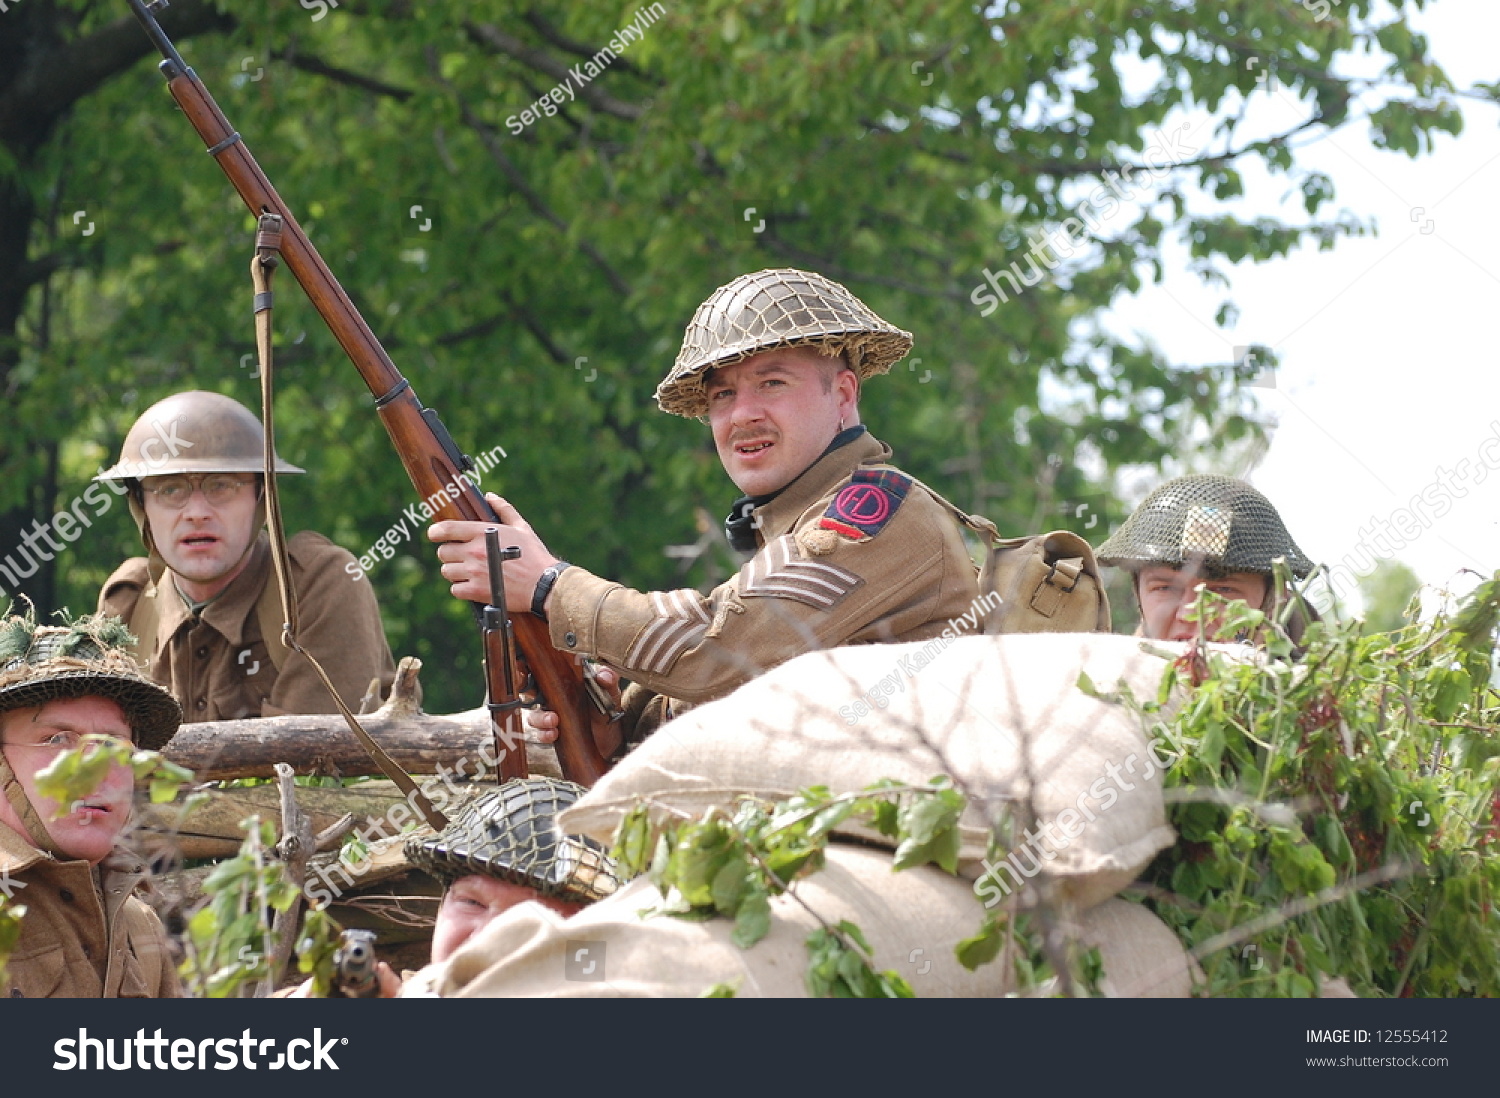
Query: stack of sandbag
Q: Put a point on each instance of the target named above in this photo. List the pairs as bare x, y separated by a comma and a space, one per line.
1004, 716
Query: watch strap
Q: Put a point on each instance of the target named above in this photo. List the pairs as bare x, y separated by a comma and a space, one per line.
544, 588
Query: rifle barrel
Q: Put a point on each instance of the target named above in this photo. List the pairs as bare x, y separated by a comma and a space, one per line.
432, 460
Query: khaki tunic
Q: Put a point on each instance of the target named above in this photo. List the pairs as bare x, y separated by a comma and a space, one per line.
84, 935
852, 552
217, 664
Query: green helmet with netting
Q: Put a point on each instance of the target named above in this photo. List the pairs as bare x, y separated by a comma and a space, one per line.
779, 307
510, 833
1218, 523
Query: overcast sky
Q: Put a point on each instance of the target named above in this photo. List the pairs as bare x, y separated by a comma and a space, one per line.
1390, 374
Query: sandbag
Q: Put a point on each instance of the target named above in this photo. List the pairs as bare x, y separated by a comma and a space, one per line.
1003, 715
911, 919
1142, 958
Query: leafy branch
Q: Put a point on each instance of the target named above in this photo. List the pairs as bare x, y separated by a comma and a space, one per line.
731, 865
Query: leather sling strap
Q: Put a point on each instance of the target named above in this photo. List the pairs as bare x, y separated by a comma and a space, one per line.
262, 266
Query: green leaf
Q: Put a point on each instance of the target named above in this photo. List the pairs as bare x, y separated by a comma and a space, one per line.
983, 947
753, 920
928, 824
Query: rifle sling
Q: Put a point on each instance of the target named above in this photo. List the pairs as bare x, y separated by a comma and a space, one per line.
262, 266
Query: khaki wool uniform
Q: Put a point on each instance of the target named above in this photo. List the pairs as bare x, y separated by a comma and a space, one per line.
852, 552
216, 663
84, 935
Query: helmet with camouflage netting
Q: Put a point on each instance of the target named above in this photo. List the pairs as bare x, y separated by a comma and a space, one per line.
780, 307
510, 833
1219, 522
88, 657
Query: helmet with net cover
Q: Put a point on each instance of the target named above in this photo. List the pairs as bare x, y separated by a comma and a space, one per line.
87, 658
193, 432
780, 307
1222, 524
510, 833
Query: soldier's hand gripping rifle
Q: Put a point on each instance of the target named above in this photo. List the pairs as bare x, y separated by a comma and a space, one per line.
433, 461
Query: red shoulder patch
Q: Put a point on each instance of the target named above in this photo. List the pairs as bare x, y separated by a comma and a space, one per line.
864, 506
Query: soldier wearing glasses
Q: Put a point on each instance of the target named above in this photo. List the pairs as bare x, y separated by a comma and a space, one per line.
204, 602
84, 933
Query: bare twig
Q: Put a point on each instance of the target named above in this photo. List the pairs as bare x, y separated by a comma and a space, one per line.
295, 848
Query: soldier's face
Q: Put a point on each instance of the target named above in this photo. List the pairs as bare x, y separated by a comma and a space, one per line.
1168, 594
774, 413
34, 737
203, 542
471, 902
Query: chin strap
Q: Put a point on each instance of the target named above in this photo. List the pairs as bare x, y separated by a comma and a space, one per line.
262, 266
36, 830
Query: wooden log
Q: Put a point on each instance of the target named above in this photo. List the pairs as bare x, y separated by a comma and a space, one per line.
212, 829
322, 744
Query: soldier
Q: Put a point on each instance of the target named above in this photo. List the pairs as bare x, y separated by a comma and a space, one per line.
204, 602
1204, 531
501, 850
847, 549
85, 934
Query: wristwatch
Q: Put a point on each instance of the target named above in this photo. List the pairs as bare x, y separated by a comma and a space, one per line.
544, 588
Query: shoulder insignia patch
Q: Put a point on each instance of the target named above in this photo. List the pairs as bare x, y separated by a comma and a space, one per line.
864, 505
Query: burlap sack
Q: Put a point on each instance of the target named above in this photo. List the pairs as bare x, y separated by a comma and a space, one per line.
911, 919
1142, 958
1003, 715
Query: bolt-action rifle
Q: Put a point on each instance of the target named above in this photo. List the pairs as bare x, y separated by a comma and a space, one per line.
432, 460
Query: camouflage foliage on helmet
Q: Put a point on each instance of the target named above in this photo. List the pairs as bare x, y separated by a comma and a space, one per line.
779, 307
1220, 523
85, 658
510, 833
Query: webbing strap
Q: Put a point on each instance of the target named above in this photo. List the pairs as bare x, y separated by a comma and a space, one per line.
262, 266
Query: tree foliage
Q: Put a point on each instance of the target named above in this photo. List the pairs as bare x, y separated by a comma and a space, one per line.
901, 148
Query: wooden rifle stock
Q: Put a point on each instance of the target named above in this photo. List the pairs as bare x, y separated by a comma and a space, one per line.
432, 460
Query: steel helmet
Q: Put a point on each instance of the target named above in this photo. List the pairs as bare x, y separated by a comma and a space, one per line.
193, 432
1221, 522
510, 833
781, 307
87, 658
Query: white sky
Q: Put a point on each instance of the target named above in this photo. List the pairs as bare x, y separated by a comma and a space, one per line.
1387, 343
